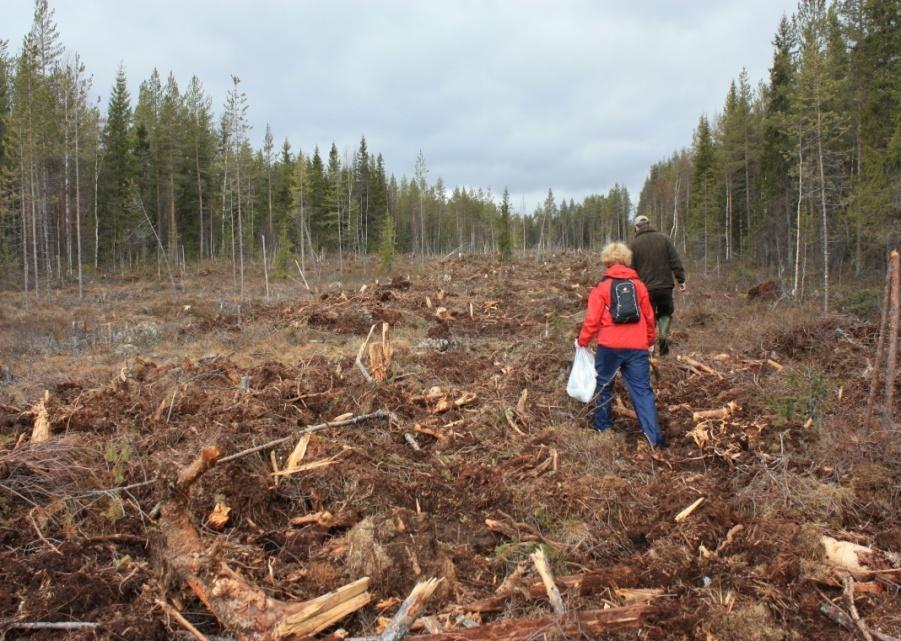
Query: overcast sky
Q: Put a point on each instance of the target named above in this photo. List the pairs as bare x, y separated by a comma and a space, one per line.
573, 95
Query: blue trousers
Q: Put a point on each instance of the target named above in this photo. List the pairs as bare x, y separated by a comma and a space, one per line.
636, 371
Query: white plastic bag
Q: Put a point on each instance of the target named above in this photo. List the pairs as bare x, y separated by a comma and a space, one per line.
582, 377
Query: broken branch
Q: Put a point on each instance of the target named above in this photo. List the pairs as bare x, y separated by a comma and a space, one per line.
547, 577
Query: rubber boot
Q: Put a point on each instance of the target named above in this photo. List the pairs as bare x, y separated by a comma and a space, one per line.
663, 334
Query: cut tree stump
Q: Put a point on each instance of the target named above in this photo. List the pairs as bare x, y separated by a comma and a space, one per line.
241, 607
381, 357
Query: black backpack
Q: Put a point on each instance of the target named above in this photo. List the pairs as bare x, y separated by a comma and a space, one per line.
623, 301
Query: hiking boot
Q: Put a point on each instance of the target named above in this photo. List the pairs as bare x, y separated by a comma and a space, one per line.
664, 347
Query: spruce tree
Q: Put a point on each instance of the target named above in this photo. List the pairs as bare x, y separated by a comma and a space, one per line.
117, 216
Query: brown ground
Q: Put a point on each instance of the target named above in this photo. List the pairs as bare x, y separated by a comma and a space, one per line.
140, 377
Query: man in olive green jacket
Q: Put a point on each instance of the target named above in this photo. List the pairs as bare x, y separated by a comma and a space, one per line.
656, 260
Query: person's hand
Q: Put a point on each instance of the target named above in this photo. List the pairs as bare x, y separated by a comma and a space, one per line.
682, 287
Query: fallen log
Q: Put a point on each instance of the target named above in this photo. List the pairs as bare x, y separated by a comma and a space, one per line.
241, 607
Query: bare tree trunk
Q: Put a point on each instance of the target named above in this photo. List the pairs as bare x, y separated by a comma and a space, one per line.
34, 234
173, 226
199, 191
421, 227
674, 230
265, 267
240, 222
269, 197
66, 174
77, 188
24, 220
798, 221
823, 209
96, 218
728, 218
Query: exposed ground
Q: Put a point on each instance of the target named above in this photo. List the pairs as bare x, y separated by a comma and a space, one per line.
140, 378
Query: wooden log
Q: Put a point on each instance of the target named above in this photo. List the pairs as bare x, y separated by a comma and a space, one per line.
241, 607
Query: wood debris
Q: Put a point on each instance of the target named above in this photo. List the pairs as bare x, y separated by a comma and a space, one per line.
381, 356
684, 514
547, 577
41, 430
218, 518
243, 608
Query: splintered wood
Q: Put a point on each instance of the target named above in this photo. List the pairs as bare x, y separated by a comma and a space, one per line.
240, 606
544, 571
41, 430
381, 357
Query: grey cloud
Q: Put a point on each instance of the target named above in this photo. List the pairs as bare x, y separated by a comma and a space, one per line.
575, 95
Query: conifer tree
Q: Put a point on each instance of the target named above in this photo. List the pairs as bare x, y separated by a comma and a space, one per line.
117, 174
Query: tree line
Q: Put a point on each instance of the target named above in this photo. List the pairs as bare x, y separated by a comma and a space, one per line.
802, 173
162, 179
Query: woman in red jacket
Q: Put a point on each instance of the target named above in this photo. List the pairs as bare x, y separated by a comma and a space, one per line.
623, 341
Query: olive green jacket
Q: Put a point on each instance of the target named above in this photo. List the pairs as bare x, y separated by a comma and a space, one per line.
656, 260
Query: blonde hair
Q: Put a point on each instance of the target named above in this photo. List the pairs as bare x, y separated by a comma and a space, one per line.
616, 254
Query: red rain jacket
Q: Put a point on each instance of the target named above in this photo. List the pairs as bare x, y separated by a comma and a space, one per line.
599, 324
